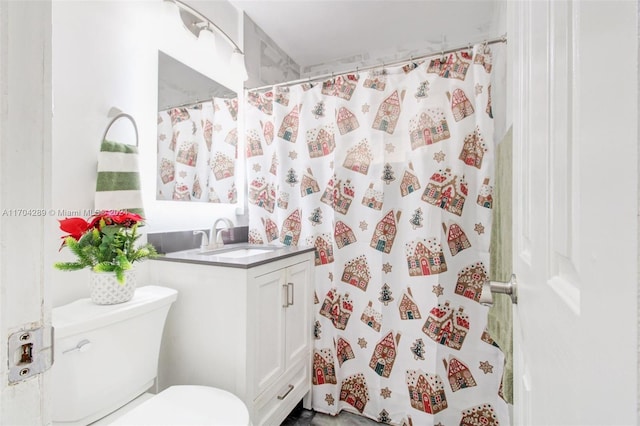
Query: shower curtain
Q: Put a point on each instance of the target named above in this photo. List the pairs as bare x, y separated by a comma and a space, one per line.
389, 175
197, 152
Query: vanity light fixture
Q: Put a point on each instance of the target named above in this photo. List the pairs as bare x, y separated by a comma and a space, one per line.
200, 26
207, 38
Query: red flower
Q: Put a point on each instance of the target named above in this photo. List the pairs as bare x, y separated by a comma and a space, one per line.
75, 226
125, 219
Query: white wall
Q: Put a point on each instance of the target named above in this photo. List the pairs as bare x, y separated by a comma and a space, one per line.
267, 63
105, 55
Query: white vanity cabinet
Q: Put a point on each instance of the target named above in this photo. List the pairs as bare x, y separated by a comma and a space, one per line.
282, 340
245, 330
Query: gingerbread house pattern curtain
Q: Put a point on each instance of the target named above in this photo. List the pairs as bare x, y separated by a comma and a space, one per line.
197, 152
389, 176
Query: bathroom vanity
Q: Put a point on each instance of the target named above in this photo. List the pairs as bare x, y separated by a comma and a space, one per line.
242, 322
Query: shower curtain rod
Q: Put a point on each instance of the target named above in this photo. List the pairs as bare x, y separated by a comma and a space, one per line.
501, 39
189, 103
185, 104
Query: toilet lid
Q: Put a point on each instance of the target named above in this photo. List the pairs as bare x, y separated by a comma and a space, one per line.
188, 405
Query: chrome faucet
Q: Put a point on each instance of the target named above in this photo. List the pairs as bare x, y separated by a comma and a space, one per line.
218, 241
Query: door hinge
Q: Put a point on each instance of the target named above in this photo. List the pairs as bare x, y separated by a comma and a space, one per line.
30, 353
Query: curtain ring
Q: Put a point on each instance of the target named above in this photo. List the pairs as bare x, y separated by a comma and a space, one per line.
412, 65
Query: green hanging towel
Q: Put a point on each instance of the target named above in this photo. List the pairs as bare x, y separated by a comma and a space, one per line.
118, 183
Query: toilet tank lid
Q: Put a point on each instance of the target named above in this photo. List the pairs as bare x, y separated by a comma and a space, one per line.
188, 405
84, 315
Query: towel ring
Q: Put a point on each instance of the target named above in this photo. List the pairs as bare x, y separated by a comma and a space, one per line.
121, 115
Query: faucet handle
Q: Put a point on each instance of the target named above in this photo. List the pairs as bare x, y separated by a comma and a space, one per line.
218, 233
219, 240
204, 243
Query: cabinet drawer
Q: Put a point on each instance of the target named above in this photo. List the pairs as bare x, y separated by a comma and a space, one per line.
275, 403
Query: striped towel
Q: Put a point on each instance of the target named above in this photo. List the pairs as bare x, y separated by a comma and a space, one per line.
118, 184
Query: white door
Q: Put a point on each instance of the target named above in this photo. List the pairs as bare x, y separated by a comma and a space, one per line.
297, 313
25, 158
271, 297
575, 115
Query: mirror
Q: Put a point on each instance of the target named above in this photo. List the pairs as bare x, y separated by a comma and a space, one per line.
197, 136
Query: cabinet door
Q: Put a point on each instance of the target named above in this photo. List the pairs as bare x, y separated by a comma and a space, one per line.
298, 313
269, 316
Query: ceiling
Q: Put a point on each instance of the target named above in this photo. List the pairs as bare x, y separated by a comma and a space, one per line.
314, 32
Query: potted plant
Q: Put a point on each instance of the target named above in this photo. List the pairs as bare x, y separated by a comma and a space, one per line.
106, 244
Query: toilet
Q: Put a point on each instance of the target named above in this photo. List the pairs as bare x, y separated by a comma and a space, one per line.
106, 361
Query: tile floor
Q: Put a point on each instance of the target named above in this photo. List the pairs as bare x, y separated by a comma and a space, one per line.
301, 417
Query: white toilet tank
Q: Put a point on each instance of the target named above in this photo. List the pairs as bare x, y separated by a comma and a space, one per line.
106, 355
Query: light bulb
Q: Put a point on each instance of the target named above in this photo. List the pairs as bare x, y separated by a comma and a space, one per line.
207, 38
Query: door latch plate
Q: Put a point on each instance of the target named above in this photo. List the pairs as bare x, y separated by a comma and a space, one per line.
30, 353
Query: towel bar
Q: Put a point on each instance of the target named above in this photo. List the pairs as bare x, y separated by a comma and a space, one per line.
118, 116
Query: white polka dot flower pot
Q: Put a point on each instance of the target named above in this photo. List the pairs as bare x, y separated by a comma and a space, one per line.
106, 290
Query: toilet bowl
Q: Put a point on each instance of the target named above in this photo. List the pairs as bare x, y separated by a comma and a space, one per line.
106, 359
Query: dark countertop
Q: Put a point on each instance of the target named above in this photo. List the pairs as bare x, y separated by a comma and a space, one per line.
227, 255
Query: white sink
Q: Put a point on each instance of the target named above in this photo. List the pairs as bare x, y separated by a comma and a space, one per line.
242, 252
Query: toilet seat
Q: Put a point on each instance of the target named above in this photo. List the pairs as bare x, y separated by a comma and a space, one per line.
188, 405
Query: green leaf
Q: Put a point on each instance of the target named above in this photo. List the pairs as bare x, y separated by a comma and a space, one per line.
104, 267
110, 249
69, 266
120, 275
